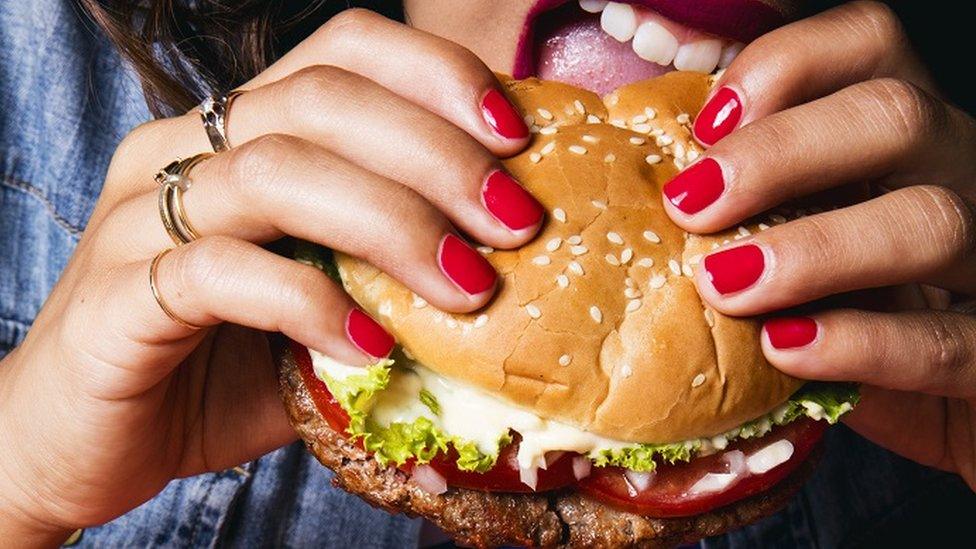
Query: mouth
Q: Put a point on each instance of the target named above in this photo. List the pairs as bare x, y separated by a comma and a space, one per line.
600, 45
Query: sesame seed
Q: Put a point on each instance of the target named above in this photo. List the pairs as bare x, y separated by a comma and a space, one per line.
612, 99
579, 106
618, 123
632, 293
612, 259
486, 249
576, 268
565, 360
569, 110
553, 244
699, 379
419, 302
650, 113
645, 262
550, 146
592, 119
533, 129
533, 311
578, 250
686, 270
683, 118
546, 115
657, 281
639, 119
438, 316
626, 256
763, 226
679, 163
695, 259
596, 314
679, 150
637, 140
715, 245
710, 318
599, 204
559, 214
610, 157
629, 282
633, 305
480, 321
577, 149
652, 237
658, 132
615, 238
541, 260
548, 130
692, 155
452, 323
574, 240
744, 231
653, 159
562, 280
675, 267
529, 119
664, 140
776, 218
641, 128
590, 139
535, 157
626, 371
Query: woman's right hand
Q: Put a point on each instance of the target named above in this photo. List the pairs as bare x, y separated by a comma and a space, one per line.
370, 138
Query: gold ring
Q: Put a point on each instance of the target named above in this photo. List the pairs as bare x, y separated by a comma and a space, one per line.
173, 181
153, 268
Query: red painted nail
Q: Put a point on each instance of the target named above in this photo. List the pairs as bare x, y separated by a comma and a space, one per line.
718, 117
791, 332
465, 266
696, 188
509, 202
502, 116
736, 269
367, 335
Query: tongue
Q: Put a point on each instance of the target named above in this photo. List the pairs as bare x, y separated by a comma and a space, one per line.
575, 50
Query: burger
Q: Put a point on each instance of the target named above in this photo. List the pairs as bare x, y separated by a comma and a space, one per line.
597, 400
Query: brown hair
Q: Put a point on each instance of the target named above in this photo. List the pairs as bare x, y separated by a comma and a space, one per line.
185, 50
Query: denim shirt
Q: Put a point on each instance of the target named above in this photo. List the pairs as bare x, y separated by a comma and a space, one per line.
66, 100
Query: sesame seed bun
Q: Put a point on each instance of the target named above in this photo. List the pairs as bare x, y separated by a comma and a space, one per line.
597, 322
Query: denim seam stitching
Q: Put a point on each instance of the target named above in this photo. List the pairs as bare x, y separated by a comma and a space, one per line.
31, 190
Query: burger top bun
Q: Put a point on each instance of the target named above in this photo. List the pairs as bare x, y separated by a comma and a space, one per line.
597, 322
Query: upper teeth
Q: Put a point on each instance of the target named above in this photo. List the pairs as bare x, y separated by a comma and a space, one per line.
653, 42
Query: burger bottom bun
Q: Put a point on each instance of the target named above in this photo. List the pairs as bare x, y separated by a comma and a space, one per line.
485, 519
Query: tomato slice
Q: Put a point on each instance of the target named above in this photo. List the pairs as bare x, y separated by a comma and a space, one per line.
503, 477
668, 493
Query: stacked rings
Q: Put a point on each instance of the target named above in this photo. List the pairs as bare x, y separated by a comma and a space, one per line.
173, 181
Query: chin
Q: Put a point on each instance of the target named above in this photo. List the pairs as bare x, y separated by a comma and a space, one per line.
596, 400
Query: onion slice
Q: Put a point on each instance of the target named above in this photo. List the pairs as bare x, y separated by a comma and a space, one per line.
429, 480
639, 480
769, 457
582, 466
552, 457
529, 477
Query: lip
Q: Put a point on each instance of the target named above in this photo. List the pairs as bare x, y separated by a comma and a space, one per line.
740, 20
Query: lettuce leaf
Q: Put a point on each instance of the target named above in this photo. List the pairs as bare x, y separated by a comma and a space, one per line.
644, 457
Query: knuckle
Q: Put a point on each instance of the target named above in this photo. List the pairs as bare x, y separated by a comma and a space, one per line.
879, 18
201, 263
313, 94
905, 108
259, 160
948, 347
947, 217
353, 23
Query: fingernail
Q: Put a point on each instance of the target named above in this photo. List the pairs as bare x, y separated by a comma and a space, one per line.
791, 332
502, 116
509, 202
367, 335
464, 266
696, 188
735, 269
718, 117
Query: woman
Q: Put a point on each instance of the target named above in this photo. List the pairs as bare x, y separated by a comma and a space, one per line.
113, 392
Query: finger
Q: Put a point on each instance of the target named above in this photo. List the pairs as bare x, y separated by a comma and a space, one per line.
371, 126
214, 280
279, 185
882, 130
932, 352
808, 59
439, 75
909, 235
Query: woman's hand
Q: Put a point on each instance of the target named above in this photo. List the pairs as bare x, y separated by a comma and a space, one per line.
371, 138
836, 99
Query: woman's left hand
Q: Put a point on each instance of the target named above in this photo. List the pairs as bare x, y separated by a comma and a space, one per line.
835, 99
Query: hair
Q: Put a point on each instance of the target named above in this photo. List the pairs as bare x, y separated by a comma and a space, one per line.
186, 50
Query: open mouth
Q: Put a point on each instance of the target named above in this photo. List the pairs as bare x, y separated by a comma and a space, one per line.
600, 45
